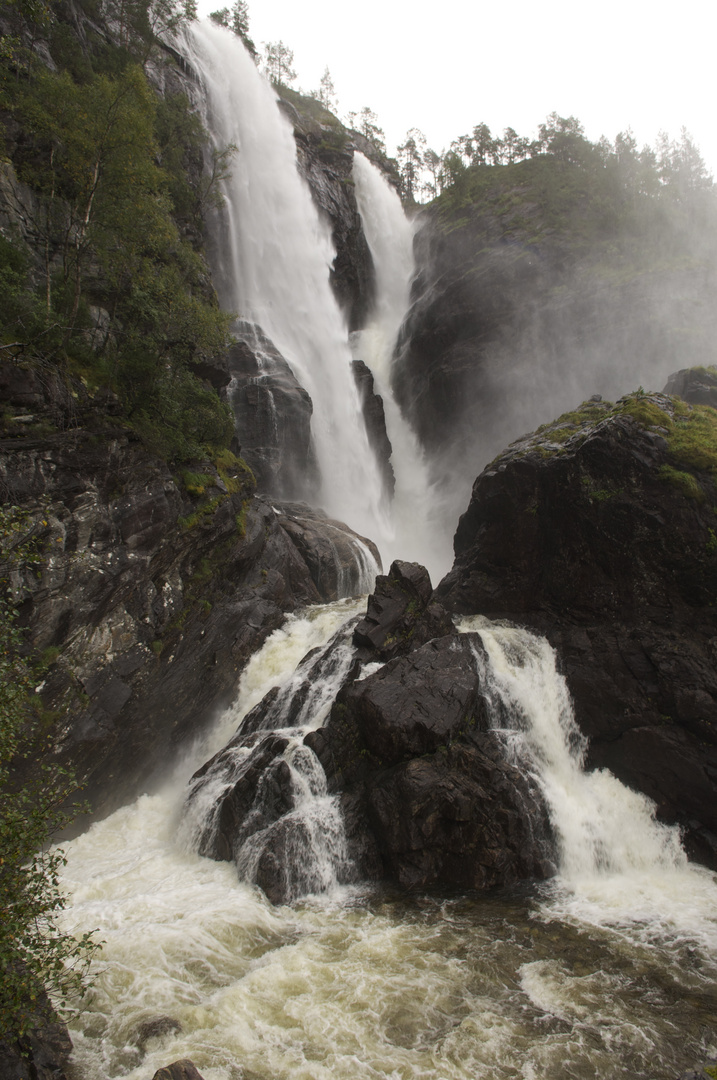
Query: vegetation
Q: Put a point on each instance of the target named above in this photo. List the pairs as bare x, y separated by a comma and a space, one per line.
113, 289
37, 956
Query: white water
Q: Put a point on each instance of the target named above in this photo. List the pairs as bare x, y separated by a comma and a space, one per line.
609, 972
275, 257
616, 863
416, 533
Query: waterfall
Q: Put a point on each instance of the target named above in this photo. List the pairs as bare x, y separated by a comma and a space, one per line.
287, 832
615, 860
273, 256
416, 531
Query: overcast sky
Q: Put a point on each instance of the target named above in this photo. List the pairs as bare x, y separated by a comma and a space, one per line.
447, 65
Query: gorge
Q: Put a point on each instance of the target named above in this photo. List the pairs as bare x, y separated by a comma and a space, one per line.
345, 838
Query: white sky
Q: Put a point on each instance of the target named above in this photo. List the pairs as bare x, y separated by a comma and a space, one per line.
447, 65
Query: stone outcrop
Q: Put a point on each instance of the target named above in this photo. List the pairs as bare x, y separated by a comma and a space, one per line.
40, 1053
154, 589
599, 532
375, 420
697, 385
272, 415
325, 150
426, 793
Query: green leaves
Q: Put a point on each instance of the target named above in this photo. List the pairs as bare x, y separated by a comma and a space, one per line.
36, 955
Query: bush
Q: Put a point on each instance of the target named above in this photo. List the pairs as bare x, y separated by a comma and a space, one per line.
36, 955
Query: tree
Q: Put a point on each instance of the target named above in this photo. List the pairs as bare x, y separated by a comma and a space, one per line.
366, 123
326, 93
278, 60
37, 957
433, 163
410, 161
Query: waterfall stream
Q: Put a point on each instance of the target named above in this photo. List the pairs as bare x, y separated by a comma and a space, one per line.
274, 253
608, 970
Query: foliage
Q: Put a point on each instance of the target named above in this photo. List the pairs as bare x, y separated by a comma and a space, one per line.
366, 123
37, 956
278, 60
685, 482
109, 168
236, 19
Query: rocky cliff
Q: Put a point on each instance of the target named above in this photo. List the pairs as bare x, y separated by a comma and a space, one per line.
539, 284
599, 532
156, 584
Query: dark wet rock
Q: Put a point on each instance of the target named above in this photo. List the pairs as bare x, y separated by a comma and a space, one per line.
325, 159
42, 1053
157, 1028
401, 614
184, 1069
596, 533
429, 794
375, 420
150, 600
515, 316
341, 562
272, 415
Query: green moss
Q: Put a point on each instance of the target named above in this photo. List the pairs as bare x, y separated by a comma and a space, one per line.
49, 655
711, 545
157, 647
693, 438
195, 484
646, 412
685, 482
189, 522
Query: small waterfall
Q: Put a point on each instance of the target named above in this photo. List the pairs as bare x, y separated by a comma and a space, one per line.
262, 800
273, 254
416, 533
615, 859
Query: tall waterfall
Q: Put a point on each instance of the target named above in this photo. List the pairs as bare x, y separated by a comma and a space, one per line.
275, 254
415, 532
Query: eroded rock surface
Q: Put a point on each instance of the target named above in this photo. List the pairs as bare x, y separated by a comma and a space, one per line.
598, 532
154, 589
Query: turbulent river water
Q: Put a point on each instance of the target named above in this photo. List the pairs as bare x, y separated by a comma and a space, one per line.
608, 970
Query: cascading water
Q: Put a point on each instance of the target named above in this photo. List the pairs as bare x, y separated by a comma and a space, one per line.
608, 971
417, 532
615, 860
285, 831
274, 255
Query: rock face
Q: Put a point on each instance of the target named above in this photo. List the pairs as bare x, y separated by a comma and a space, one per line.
155, 589
520, 310
375, 421
272, 415
419, 770
325, 152
426, 793
599, 532
696, 385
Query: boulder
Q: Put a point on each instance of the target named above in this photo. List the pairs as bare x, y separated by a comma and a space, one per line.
401, 614
429, 793
184, 1069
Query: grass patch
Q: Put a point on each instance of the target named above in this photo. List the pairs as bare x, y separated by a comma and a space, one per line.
685, 482
693, 438
195, 483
